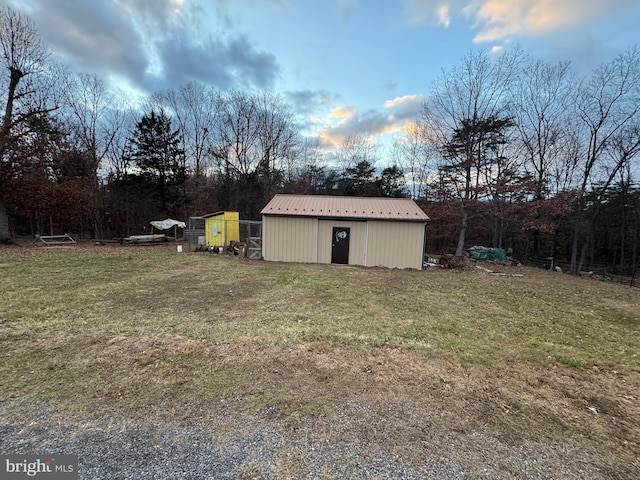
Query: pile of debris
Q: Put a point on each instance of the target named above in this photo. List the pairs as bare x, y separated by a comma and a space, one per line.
476, 253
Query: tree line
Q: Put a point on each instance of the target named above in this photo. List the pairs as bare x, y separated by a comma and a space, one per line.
507, 151
535, 155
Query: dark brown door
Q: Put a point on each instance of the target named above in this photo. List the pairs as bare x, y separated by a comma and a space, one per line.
340, 245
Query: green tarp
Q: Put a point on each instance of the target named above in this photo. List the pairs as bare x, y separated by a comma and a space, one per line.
487, 254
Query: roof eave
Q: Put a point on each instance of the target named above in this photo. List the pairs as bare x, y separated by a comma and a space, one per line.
354, 219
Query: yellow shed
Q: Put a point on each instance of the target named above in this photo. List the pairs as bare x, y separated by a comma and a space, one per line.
221, 228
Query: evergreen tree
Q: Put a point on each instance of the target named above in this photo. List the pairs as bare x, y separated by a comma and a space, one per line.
360, 180
392, 183
157, 153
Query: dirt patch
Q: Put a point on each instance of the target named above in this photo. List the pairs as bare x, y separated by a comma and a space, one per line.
412, 405
182, 293
412, 402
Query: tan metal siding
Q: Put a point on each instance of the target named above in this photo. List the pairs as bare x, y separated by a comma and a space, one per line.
356, 243
372, 243
395, 244
287, 239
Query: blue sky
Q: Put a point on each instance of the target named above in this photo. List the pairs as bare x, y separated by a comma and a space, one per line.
345, 66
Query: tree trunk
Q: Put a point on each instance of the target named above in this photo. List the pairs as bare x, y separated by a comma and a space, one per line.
583, 256
579, 231
536, 243
623, 235
634, 249
16, 75
5, 231
463, 231
14, 79
574, 249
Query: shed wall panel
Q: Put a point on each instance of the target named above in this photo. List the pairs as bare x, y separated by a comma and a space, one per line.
287, 239
395, 244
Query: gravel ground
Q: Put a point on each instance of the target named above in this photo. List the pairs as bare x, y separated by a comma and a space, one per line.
236, 444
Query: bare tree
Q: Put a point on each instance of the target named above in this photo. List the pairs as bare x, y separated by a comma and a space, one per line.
194, 106
539, 106
277, 141
417, 158
357, 148
252, 142
88, 102
629, 216
460, 102
237, 132
308, 157
23, 54
540, 101
608, 104
95, 120
118, 165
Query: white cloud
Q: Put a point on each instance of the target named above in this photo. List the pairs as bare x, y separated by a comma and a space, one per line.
428, 12
498, 20
344, 113
344, 121
406, 107
443, 15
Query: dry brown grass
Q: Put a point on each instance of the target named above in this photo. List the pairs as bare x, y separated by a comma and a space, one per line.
415, 361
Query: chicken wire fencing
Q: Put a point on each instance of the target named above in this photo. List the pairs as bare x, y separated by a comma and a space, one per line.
250, 235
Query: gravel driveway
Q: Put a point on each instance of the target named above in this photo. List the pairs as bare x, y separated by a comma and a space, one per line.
237, 444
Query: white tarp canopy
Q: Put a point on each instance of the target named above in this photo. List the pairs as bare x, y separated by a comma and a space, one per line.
167, 224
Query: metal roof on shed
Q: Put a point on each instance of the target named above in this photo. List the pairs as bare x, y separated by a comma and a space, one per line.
403, 209
216, 214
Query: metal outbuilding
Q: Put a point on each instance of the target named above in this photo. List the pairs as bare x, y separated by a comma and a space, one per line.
368, 231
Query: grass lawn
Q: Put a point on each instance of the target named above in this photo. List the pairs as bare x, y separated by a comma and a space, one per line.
542, 357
